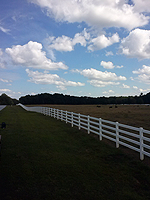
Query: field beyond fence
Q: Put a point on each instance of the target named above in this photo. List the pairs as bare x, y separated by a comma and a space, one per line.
44, 158
137, 139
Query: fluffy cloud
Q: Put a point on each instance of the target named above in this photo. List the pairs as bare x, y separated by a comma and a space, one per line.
96, 13
107, 65
141, 5
143, 74
125, 86
31, 55
65, 43
2, 59
102, 42
137, 44
100, 79
46, 78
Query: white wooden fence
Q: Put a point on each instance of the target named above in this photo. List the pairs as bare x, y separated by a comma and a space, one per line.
137, 139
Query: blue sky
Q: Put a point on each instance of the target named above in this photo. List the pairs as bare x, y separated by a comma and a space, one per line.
75, 47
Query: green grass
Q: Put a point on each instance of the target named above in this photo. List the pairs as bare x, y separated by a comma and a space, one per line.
44, 158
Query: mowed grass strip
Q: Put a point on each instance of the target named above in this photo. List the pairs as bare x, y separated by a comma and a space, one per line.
44, 158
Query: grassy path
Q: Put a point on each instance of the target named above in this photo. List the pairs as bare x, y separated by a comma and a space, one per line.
43, 158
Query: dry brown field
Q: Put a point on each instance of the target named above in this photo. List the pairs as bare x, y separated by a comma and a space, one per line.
133, 115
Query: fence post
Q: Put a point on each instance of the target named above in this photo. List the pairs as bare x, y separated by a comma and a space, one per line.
88, 124
54, 112
141, 143
100, 129
79, 121
57, 114
61, 115
66, 116
51, 112
72, 119
117, 135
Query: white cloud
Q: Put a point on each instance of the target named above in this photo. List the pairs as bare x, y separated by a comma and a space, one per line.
5, 90
102, 42
144, 74
145, 70
119, 67
100, 79
46, 78
4, 30
5, 80
97, 83
109, 53
135, 87
137, 44
107, 65
1, 52
126, 86
96, 13
141, 90
31, 55
141, 5
65, 43
2, 60
109, 92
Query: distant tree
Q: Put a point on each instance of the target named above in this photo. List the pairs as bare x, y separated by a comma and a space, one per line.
6, 100
46, 98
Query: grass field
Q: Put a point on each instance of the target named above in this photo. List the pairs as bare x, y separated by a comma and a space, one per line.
134, 115
44, 158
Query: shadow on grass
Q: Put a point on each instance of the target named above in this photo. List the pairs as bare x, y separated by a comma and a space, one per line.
43, 158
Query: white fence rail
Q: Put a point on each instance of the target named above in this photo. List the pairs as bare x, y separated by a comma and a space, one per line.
137, 139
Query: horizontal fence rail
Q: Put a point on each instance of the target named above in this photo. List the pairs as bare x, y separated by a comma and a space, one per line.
137, 139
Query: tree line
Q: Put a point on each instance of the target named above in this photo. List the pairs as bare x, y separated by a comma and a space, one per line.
46, 98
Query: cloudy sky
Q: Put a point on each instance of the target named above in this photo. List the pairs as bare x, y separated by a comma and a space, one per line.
76, 47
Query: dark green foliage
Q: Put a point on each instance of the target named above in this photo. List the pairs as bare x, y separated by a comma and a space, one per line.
6, 100
44, 158
56, 98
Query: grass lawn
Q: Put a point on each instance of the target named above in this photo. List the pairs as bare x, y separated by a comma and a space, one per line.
44, 158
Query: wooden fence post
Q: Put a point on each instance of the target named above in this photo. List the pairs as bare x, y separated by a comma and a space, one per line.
100, 129
117, 135
88, 124
141, 143
66, 116
61, 115
54, 112
57, 114
79, 121
72, 119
